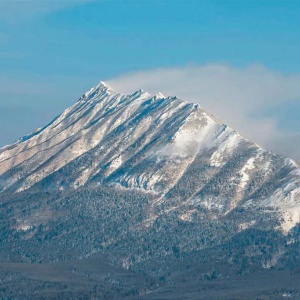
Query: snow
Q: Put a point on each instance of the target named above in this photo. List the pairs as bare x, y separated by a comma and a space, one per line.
231, 141
187, 217
244, 172
82, 179
246, 225
23, 225
101, 86
159, 95
194, 135
116, 163
287, 201
209, 203
291, 218
4, 155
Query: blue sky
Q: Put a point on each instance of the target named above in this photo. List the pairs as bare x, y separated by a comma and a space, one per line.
53, 51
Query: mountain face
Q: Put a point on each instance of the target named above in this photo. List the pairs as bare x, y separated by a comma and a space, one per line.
154, 186
161, 145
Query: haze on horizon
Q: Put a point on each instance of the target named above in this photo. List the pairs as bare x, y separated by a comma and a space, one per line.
240, 61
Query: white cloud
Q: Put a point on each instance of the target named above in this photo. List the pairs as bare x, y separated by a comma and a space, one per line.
239, 97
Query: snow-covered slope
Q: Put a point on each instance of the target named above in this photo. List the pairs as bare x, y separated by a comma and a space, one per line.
156, 144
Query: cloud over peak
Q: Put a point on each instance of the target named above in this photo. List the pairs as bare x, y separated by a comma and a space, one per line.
249, 99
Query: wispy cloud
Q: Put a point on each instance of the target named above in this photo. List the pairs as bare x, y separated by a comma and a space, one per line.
242, 98
19, 10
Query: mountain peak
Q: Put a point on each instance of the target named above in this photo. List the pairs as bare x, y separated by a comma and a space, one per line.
101, 87
159, 95
103, 84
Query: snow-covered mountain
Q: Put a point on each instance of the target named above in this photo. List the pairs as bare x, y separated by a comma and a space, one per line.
161, 145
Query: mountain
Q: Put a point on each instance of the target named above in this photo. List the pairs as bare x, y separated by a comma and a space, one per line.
148, 181
161, 145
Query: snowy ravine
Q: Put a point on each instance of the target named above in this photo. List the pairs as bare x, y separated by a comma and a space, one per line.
155, 144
